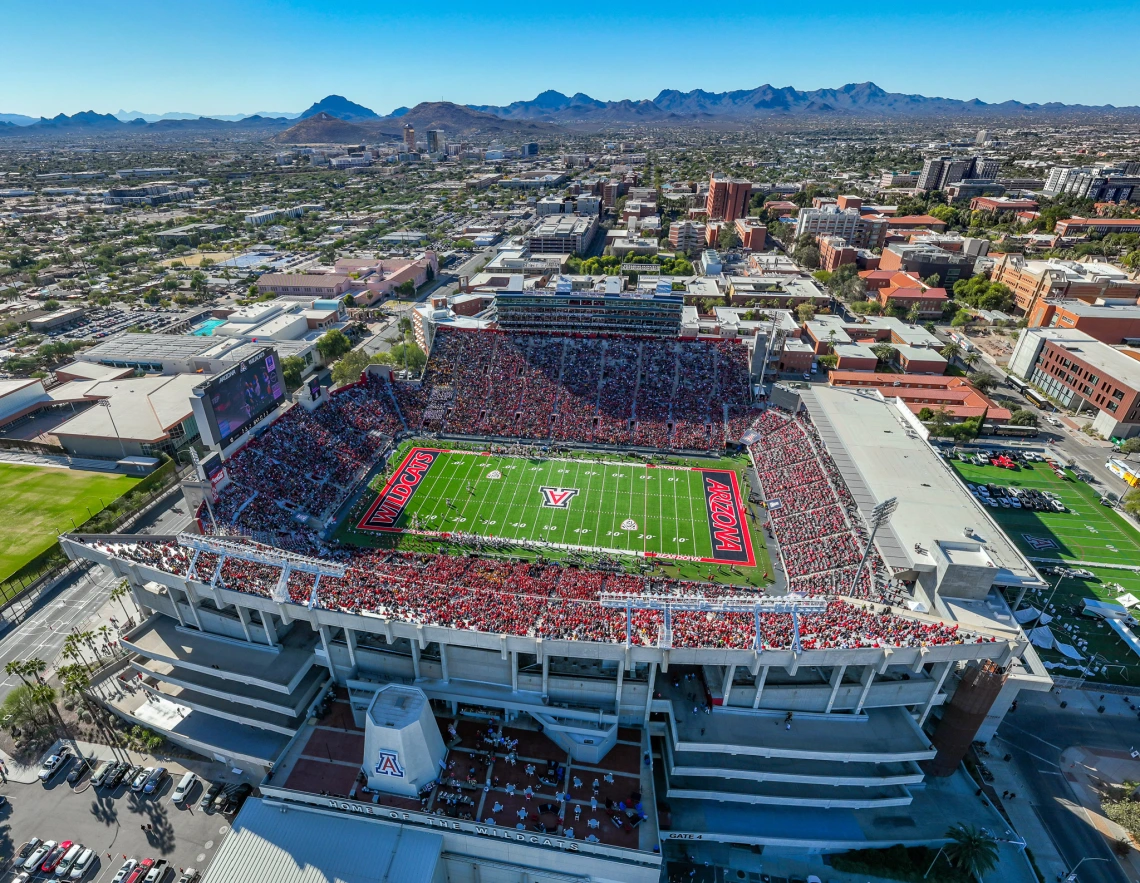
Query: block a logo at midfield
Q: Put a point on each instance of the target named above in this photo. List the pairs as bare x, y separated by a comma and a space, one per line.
558, 497
730, 540
388, 764
390, 505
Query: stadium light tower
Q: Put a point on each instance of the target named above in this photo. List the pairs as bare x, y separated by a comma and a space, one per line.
880, 515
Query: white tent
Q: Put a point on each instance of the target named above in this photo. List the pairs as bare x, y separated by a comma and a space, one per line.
1028, 614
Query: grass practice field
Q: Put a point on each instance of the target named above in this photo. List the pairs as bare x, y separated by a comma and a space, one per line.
1087, 532
36, 502
676, 513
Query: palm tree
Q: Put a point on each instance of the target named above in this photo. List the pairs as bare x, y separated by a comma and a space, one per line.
105, 634
971, 849
950, 352
118, 593
45, 697
971, 359
35, 667
16, 667
75, 682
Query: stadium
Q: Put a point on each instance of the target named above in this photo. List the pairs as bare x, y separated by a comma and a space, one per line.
455, 606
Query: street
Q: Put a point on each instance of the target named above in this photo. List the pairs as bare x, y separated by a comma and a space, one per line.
82, 594
1037, 734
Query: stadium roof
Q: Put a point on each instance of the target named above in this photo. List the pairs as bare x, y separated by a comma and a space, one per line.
882, 456
270, 843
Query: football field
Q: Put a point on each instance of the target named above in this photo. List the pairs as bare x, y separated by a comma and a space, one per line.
673, 512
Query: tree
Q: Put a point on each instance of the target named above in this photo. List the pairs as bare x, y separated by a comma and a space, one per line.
728, 238
805, 312
292, 367
118, 593
406, 355
808, 256
983, 382
1131, 503
884, 352
1022, 417
925, 414
349, 368
333, 344
406, 288
971, 850
1130, 445
940, 422
950, 352
914, 314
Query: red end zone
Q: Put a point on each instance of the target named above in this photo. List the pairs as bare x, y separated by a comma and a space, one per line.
728, 519
390, 504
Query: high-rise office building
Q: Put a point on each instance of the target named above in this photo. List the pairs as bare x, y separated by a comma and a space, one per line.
435, 140
409, 138
940, 172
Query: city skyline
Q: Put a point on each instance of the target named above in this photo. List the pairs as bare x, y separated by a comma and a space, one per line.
256, 56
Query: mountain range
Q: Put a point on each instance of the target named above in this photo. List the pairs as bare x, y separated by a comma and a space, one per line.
551, 110
854, 99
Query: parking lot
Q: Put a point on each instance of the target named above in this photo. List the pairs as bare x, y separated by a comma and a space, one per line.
116, 822
1086, 532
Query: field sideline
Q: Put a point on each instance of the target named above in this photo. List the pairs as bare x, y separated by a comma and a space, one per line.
37, 502
594, 505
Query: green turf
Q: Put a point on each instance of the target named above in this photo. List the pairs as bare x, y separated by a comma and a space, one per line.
667, 506
36, 503
1088, 531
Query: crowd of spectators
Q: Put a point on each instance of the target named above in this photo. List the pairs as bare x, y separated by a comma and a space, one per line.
306, 461
691, 395
814, 519
539, 600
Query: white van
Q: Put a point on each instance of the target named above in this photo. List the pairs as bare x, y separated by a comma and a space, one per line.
83, 864
184, 785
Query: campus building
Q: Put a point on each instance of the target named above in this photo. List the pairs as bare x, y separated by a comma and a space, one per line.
1054, 278
1081, 373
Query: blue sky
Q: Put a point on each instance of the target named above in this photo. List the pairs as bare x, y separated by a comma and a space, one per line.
250, 55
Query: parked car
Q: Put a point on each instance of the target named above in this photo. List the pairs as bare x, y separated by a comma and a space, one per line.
125, 870
140, 779
83, 864
26, 850
238, 797
55, 857
157, 871
140, 870
33, 861
100, 775
81, 766
69, 859
154, 780
53, 764
207, 801
184, 785
117, 775
190, 875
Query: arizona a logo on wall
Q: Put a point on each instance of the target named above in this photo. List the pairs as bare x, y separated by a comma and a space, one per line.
388, 764
558, 497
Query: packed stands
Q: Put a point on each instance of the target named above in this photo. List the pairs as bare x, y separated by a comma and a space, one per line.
540, 600
812, 514
691, 395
